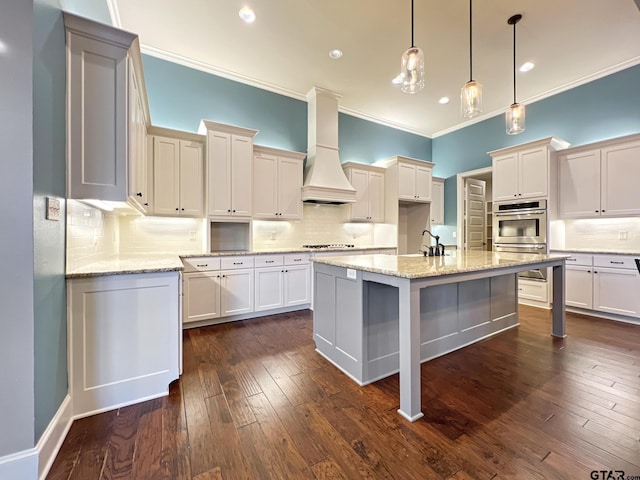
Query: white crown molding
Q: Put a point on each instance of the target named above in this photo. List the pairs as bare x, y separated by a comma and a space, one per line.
236, 77
114, 13
549, 93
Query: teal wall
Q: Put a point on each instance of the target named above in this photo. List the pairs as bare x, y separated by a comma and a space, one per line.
179, 97
604, 108
50, 311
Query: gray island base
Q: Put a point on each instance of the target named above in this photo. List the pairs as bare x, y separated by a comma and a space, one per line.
376, 315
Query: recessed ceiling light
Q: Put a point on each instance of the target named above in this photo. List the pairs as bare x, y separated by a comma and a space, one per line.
443, 100
397, 80
335, 53
247, 14
527, 66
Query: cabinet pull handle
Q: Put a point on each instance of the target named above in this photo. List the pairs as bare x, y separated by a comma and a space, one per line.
203, 265
269, 261
616, 263
238, 263
139, 194
146, 204
297, 259
572, 259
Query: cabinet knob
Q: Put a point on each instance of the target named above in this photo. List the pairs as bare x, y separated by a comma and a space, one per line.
597, 211
139, 194
177, 209
520, 194
229, 210
182, 209
146, 204
603, 210
233, 211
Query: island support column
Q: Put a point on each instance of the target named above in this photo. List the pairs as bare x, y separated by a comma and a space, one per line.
558, 312
409, 325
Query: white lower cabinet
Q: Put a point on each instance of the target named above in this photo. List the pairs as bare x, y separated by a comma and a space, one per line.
605, 283
297, 285
287, 284
124, 336
269, 288
533, 290
202, 294
236, 292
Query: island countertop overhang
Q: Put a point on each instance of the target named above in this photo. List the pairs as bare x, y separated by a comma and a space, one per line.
456, 262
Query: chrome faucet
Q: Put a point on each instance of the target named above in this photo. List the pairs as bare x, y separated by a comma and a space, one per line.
439, 250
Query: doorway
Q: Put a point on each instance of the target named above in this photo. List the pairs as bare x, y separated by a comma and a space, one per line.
474, 220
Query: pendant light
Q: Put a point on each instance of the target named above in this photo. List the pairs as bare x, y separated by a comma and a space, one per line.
516, 115
412, 70
471, 93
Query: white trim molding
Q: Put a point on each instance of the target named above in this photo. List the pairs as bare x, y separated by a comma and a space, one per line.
20, 465
460, 177
51, 440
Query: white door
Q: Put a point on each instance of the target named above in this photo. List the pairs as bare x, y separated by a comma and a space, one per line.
166, 171
201, 296
191, 179
406, 181
579, 286
533, 173
219, 173
297, 285
241, 175
236, 292
615, 290
580, 184
290, 189
265, 186
619, 175
269, 288
423, 183
376, 197
505, 177
360, 181
475, 228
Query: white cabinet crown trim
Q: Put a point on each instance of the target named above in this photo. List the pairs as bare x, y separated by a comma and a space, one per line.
279, 152
399, 158
206, 125
554, 143
177, 134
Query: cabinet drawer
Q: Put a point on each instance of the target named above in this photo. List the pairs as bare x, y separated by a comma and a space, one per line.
580, 259
296, 259
230, 263
268, 261
533, 290
614, 261
201, 264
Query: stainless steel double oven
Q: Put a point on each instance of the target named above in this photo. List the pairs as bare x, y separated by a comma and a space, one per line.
521, 228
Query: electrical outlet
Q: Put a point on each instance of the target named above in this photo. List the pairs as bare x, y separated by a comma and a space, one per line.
192, 235
53, 209
622, 235
455, 234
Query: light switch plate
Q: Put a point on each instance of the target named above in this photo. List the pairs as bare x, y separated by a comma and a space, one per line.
622, 235
351, 273
53, 209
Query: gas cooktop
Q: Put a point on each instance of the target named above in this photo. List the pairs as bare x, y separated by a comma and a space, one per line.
330, 245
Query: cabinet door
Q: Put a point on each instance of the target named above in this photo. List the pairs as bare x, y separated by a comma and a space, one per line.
191, 179
533, 173
376, 197
615, 290
290, 189
578, 286
406, 182
437, 203
620, 171
297, 285
166, 173
241, 175
360, 181
97, 119
236, 292
137, 145
265, 186
219, 173
579, 189
269, 288
423, 183
505, 177
201, 296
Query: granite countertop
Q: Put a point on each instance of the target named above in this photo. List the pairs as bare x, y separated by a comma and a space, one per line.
418, 266
132, 264
604, 251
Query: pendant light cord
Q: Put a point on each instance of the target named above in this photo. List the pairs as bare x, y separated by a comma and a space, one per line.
514, 63
470, 41
412, 44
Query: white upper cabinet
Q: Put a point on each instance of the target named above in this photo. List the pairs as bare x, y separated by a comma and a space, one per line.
369, 184
107, 114
408, 177
437, 201
600, 179
178, 180
229, 169
277, 184
523, 171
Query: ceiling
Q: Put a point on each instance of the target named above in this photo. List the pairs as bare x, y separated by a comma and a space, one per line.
286, 49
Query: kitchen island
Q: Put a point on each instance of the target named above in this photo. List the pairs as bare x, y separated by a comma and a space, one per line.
376, 315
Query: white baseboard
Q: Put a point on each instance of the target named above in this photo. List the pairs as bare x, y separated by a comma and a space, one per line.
20, 466
52, 438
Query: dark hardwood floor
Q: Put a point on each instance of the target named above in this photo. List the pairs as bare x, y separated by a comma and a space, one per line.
256, 402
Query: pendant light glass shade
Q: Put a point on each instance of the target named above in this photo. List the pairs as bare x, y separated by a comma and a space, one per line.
412, 70
516, 119
471, 99
516, 115
471, 93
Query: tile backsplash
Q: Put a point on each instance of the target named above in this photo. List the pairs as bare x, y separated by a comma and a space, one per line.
92, 235
606, 233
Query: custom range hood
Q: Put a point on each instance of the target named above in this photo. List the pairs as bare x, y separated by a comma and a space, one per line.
324, 180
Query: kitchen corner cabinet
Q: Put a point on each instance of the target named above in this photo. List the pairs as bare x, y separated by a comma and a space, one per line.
277, 184
282, 281
107, 113
128, 352
523, 171
408, 178
600, 179
437, 201
178, 179
369, 184
229, 169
